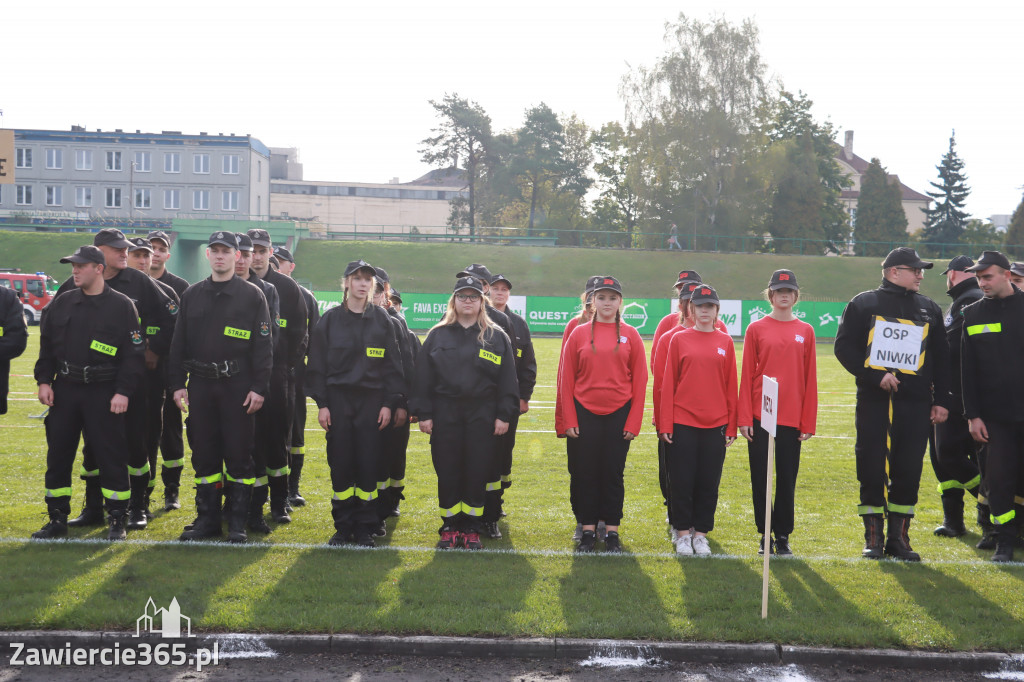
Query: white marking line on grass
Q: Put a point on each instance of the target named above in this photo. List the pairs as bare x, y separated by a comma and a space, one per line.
854, 560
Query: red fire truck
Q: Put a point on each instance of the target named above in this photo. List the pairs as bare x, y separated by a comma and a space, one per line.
35, 289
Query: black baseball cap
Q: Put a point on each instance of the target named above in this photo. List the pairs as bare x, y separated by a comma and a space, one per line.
110, 236
959, 264
476, 270
283, 254
244, 243
687, 276
260, 238
161, 235
501, 278
140, 244
591, 283
382, 276
469, 282
396, 296
705, 293
783, 279
607, 282
224, 238
686, 290
357, 265
988, 259
907, 256
1017, 268
85, 254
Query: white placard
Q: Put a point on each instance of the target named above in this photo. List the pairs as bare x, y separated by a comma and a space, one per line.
517, 304
897, 345
769, 404
731, 313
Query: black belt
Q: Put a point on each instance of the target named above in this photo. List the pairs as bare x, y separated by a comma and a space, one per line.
89, 374
213, 370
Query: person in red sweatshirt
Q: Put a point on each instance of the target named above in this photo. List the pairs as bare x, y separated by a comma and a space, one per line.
603, 385
674, 320
698, 404
779, 346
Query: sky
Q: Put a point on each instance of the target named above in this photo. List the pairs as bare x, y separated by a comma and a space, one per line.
349, 83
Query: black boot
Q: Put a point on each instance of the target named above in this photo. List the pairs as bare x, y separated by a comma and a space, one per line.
256, 522
137, 503
149, 495
279, 499
294, 496
874, 528
171, 498
952, 515
342, 526
1005, 534
988, 529
171, 477
116, 524
208, 514
897, 542
92, 510
56, 527
241, 495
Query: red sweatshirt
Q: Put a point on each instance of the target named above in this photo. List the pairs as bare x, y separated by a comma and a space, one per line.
699, 384
785, 352
559, 422
670, 322
605, 377
658, 353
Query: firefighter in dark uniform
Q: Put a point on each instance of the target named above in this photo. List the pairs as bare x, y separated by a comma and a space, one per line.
496, 316
157, 312
13, 338
465, 394
894, 414
223, 349
298, 440
955, 455
993, 372
172, 444
281, 401
90, 367
526, 373
355, 376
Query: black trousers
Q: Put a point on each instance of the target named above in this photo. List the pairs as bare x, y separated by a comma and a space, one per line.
954, 455
462, 446
663, 482
391, 476
298, 437
272, 446
1004, 468
787, 465
695, 458
135, 427
909, 427
172, 441
353, 450
219, 431
85, 409
572, 458
500, 478
597, 465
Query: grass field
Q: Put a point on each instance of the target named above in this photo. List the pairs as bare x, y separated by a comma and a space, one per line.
530, 583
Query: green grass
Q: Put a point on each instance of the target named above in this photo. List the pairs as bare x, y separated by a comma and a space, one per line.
292, 582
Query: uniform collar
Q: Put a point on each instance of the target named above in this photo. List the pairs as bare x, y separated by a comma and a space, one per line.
895, 288
963, 287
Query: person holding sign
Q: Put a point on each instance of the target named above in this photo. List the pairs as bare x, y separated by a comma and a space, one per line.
782, 347
602, 387
891, 340
698, 404
993, 335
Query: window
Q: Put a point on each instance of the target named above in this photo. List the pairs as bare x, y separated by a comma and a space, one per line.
201, 199
23, 158
54, 195
143, 162
230, 166
23, 195
113, 197
113, 161
142, 199
172, 199
54, 159
83, 159
201, 163
172, 162
35, 287
229, 200
83, 197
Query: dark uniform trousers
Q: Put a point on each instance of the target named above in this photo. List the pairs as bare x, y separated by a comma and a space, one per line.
663, 482
787, 466
596, 466
163, 428
909, 427
956, 456
270, 455
354, 442
500, 477
1004, 469
135, 430
298, 437
391, 479
220, 432
462, 446
85, 409
695, 458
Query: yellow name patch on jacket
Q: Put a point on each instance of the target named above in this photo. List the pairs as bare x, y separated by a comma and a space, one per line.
374, 352
237, 333
490, 357
103, 348
281, 322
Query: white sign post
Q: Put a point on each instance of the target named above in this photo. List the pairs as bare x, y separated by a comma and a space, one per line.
769, 414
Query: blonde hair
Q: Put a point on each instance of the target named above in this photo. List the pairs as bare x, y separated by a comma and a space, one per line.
487, 327
586, 308
767, 293
344, 296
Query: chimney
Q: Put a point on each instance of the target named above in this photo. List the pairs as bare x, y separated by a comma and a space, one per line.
393, 181
848, 147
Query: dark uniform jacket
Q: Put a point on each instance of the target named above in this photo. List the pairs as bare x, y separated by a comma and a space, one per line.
293, 316
13, 337
454, 364
156, 309
312, 311
526, 358
963, 294
223, 324
404, 337
851, 346
991, 364
357, 351
179, 284
92, 331
274, 307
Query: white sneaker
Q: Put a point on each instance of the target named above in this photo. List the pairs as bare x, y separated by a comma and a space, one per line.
700, 545
683, 545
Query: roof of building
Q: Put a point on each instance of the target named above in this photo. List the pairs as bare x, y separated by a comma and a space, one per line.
454, 178
168, 137
860, 166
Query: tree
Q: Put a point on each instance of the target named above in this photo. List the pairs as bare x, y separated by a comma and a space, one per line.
797, 201
981, 236
945, 223
881, 223
540, 155
618, 204
462, 135
1015, 232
